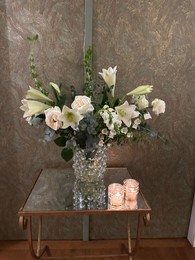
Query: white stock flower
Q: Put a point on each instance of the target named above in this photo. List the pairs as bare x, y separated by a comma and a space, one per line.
147, 116
105, 116
70, 117
101, 143
28, 119
82, 104
105, 131
53, 118
124, 130
136, 123
126, 112
141, 102
32, 107
109, 77
129, 135
112, 133
35, 94
158, 106
110, 118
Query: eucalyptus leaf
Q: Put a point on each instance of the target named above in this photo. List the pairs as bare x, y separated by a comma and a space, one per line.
67, 154
60, 141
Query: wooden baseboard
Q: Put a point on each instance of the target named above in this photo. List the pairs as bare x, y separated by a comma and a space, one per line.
66, 244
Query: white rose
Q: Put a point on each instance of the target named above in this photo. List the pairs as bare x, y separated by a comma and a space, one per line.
158, 106
82, 104
142, 102
53, 118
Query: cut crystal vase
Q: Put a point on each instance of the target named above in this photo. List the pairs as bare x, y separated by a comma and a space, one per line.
89, 191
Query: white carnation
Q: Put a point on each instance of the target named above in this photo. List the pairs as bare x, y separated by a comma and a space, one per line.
158, 106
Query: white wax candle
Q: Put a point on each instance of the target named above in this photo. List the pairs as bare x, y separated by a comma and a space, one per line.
115, 194
117, 199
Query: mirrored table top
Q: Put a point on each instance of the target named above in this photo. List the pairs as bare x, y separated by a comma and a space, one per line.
52, 193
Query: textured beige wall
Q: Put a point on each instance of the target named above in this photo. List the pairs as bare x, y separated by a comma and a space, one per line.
150, 42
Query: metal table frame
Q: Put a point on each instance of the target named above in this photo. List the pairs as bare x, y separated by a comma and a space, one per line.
26, 216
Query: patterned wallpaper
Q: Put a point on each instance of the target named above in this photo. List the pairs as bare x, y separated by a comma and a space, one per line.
150, 42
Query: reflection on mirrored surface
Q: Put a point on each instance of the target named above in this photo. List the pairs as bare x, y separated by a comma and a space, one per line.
53, 191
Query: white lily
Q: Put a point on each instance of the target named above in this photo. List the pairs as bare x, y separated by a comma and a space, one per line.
32, 107
35, 94
55, 86
126, 112
141, 90
109, 77
70, 117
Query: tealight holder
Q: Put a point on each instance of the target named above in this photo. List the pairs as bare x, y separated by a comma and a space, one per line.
116, 194
131, 204
131, 189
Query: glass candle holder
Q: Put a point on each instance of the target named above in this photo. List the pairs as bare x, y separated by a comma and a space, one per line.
131, 189
131, 204
116, 194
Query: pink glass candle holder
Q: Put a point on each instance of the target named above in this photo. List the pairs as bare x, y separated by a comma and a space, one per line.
131, 189
116, 194
131, 204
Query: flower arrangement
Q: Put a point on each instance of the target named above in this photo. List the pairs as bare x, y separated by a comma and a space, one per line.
95, 117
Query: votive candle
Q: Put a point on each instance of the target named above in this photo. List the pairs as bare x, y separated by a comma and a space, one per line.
131, 189
116, 194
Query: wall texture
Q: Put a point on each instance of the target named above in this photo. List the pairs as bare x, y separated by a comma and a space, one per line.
151, 42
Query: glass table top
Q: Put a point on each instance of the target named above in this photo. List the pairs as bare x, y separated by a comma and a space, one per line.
52, 193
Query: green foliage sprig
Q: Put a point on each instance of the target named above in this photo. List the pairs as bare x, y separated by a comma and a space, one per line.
37, 83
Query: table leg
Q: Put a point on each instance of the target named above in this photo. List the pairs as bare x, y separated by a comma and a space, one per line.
129, 237
85, 227
142, 219
27, 223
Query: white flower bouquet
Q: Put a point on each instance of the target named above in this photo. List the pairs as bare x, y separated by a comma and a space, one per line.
95, 117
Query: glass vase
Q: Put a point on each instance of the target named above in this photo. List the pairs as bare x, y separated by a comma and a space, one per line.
89, 191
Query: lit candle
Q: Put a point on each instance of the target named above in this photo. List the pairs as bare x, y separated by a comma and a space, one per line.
131, 188
131, 204
115, 194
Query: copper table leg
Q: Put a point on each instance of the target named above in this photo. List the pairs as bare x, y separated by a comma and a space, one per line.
142, 219
27, 223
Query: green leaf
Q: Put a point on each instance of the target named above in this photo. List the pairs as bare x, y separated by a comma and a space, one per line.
62, 100
73, 92
88, 64
33, 38
117, 102
105, 98
67, 154
60, 141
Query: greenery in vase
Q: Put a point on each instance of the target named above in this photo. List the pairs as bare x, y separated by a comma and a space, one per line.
95, 117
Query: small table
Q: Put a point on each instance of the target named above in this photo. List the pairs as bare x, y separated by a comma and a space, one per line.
51, 195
